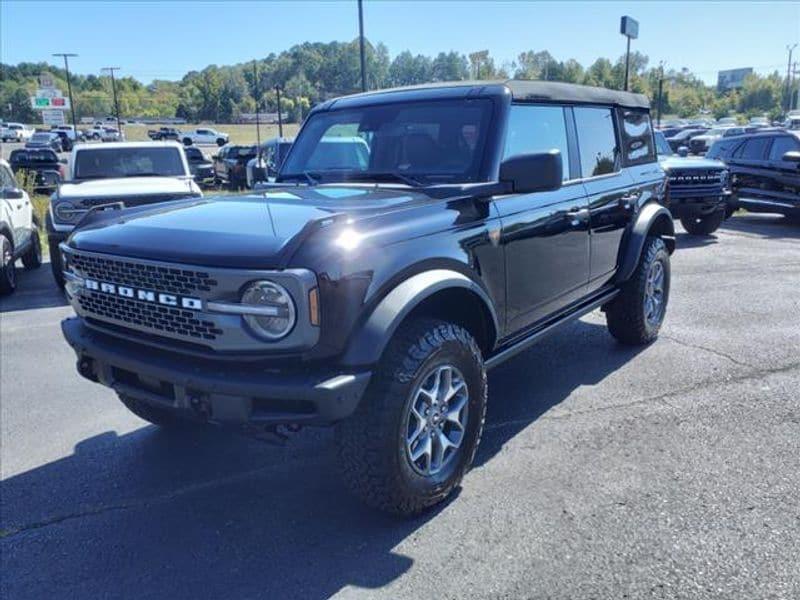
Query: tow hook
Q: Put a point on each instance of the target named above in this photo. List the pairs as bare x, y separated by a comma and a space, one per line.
86, 368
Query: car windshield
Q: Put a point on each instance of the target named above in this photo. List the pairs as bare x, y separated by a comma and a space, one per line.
104, 163
662, 147
40, 137
194, 154
415, 143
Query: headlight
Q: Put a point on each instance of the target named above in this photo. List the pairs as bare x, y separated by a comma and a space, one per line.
277, 313
65, 212
723, 178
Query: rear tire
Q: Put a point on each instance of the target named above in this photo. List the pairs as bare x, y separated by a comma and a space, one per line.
56, 264
703, 224
160, 417
635, 316
8, 273
410, 404
32, 259
221, 142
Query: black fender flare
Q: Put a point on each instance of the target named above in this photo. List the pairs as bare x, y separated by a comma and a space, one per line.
652, 217
369, 341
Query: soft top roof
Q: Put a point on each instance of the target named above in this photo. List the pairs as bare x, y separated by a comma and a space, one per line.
542, 91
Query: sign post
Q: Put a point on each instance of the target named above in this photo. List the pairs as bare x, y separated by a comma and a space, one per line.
629, 27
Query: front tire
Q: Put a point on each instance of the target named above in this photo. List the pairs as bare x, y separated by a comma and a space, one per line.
32, 259
8, 273
635, 316
703, 224
56, 263
416, 431
221, 142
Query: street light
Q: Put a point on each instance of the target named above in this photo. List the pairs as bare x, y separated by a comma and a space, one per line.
66, 56
789, 77
361, 46
629, 27
114, 89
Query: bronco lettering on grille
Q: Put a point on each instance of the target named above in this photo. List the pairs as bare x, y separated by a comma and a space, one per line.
143, 295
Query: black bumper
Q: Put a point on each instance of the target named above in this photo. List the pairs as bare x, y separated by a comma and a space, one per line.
693, 203
225, 392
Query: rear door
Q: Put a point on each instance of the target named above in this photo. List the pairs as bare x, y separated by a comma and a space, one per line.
782, 178
17, 211
752, 168
545, 234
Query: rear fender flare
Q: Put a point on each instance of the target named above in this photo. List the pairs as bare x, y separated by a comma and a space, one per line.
653, 219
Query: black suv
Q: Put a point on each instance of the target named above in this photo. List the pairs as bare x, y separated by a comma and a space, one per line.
765, 170
373, 287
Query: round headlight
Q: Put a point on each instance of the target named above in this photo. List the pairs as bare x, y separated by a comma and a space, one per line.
276, 313
65, 212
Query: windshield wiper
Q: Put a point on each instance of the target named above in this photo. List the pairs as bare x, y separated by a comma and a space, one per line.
312, 176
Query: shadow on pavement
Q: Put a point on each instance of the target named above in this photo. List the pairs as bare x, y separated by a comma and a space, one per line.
206, 514
35, 289
764, 225
684, 241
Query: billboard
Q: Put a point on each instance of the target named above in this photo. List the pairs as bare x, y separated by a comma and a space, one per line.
732, 79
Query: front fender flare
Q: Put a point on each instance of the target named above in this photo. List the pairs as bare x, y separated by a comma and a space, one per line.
369, 341
652, 218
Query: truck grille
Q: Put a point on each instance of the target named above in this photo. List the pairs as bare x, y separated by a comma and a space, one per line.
693, 178
134, 200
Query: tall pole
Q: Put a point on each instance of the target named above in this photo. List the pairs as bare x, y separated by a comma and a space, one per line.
255, 93
114, 89
66, 55
280, 119
627, 62
660, 94
361, 45
789, 77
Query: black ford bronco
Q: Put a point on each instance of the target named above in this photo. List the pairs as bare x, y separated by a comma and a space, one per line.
376, 282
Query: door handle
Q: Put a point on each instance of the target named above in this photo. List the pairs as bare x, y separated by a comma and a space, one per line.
578, 217
627, 202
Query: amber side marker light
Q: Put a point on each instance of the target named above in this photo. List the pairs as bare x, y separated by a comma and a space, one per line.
313, 306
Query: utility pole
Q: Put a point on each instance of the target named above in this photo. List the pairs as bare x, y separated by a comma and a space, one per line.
361, 46
114, 89
280, 119
66, 56
789, 77
255, 94
660, 93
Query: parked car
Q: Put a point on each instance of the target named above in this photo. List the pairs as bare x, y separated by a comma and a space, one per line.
204, 135
375, 295
202, 169
727, 121
792, 123
70, 132
765, 171
700, 144
230, 163
165, 133
759, 122
698, 189
19, 235
682, 138
95, 132
45, 139
131, 174
66, 141
264, 167
111, 134
16, 132
43, 162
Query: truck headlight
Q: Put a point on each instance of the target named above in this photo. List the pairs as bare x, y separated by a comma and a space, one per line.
274, 315
723, 179
66, 212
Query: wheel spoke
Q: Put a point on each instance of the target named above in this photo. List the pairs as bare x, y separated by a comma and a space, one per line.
454, 410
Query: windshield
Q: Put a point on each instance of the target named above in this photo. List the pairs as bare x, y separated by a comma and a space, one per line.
40, 137
194, 154
422, 142
662, 147
128, 162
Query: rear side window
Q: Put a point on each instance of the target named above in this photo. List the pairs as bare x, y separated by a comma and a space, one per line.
753, 149
637, 137
7, 181
534, 129
597, 141
782, 145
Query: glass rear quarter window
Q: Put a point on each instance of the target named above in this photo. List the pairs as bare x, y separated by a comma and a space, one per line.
637, 137
783, 144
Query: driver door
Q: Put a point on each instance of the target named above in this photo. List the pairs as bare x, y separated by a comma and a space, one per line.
16, 206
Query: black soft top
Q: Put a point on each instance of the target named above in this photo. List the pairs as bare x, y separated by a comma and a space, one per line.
524, 91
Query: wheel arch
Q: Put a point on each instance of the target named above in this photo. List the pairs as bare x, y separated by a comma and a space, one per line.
653, 219
440, 293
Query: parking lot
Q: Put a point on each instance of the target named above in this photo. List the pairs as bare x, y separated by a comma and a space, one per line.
665, 472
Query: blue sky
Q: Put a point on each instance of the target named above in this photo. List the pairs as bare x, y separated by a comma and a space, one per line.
166, 39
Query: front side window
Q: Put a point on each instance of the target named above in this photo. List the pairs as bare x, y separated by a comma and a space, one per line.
781, 145
597, 141
533, 129
414, 142
637, 137
128, 162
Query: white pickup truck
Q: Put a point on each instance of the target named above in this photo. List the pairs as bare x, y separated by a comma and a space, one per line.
16, 132
19, 235
131, 173
204, 135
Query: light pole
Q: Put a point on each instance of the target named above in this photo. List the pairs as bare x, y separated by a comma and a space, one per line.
660, 93
66, 56
114, 89
361, 45
255, 93
280, 119
789, 77
629, 27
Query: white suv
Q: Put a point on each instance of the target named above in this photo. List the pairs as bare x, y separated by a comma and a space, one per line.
204, 136
19, 235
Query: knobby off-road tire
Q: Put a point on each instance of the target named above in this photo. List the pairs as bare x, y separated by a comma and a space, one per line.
632, 318
56, 263
152, 414
8, 273
32, 259
703, 224
374, 448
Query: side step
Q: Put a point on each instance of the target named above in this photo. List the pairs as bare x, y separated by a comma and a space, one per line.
548, 327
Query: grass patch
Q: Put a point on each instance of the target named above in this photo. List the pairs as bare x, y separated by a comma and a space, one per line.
239, 133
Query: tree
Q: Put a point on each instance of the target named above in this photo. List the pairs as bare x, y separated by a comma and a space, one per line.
407, 69
450, 66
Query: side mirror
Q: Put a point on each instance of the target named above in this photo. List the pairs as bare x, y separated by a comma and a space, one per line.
536, 172
683, 151
12, 193
792, 156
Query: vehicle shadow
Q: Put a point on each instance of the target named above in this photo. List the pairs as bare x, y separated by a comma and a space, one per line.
685, 241
205, 514
764, 225
35, 289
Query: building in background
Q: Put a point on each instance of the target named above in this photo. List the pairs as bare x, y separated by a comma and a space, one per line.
732, 79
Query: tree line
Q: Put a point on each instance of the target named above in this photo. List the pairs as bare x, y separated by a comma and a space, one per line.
314, 71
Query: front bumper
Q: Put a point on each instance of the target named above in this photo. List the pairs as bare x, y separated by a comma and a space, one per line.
690, 202
223, 392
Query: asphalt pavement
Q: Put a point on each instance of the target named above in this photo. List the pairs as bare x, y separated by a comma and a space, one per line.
671, 471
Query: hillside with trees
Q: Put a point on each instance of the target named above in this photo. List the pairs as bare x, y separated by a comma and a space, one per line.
314, 71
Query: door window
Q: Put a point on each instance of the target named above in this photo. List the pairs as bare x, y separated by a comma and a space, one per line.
782, 145
754, 149
597, 141
7, 181
637, 137
534, 129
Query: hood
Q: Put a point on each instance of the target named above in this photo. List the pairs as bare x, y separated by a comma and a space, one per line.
672, 163
256, 231
125, 186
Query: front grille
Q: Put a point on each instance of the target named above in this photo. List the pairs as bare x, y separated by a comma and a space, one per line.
170, 280
695, 178
133, 200
144, 314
